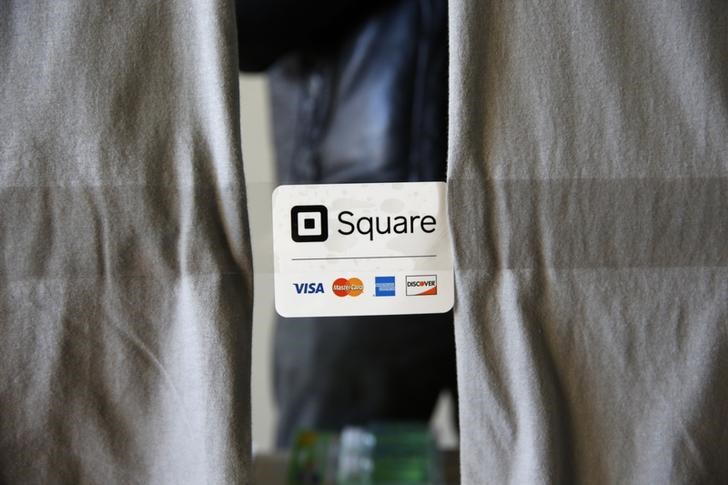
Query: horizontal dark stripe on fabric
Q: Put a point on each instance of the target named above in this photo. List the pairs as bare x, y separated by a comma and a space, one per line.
590, 223
134, 230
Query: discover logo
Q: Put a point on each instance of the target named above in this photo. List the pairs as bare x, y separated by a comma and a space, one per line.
421, 285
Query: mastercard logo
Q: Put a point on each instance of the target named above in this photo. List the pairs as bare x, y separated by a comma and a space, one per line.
351, 287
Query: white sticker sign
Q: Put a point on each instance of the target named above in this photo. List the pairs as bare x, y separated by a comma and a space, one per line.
362, 249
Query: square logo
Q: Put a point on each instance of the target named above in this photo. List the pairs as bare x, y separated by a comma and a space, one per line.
309, 223
421, 285
384, 286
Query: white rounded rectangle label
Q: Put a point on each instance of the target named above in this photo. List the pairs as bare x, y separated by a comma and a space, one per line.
362, 249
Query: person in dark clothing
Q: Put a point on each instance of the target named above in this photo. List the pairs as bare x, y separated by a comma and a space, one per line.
359, 94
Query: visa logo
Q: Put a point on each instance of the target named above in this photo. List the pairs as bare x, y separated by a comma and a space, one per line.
308, 288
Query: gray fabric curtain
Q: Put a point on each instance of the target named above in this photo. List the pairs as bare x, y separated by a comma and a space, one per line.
588, 177
125, 272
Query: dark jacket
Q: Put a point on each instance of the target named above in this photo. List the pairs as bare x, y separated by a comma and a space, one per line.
358, 94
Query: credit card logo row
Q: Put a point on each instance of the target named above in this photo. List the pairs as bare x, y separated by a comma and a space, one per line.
384, 286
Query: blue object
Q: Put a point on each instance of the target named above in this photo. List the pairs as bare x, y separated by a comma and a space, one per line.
384, 286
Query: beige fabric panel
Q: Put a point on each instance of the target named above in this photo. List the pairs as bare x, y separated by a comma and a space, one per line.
125, 271
588, 178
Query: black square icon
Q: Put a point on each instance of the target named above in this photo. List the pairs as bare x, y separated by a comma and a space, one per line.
309, 223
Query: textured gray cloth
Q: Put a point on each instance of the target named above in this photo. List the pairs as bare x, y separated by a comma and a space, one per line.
125, 273
588, 170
